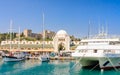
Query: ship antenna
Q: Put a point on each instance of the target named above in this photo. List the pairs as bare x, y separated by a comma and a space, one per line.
106, 29
102, 30
99, 29
89, 29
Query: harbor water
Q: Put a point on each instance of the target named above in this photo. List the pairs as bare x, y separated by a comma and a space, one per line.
54, 67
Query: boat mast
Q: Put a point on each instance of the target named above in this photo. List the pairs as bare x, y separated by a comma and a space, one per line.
43, 31
106, 30
99, 30
89, 30
102, 30
19, 39
10, 34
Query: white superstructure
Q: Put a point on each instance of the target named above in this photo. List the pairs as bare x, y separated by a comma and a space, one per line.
100, 50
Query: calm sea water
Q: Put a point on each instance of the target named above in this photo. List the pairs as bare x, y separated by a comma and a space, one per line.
56, 67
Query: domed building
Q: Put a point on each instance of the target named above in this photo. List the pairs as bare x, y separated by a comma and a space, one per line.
61, 41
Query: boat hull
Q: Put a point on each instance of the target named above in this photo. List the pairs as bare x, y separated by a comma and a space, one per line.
44, 59
10, 58
104, 60
100, 62
109, 63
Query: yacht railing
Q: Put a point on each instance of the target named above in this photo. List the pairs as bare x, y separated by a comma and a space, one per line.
101, 36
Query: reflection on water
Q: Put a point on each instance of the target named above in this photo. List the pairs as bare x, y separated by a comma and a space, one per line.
1, 62
8, 68
31, 63
56, 67
60, 67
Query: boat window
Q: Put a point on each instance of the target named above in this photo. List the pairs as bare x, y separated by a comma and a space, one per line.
95, 51
107, 51
112, 43
81, 51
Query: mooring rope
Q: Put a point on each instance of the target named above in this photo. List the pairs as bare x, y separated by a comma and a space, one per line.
94, 67
77, 62
112, 64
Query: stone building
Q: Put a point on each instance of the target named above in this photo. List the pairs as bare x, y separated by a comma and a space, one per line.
49, 34
61, 39
27, 32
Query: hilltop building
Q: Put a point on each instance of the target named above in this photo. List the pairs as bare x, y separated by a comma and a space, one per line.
27, 33
49, 34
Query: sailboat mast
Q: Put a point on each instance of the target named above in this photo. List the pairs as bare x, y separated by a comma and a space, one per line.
19, 39
43, 30
10, 34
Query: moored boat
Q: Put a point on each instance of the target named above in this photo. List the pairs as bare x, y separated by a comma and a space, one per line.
44, 58
14, 57
103, 52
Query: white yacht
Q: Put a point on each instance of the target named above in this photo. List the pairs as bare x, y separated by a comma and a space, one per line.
99, 51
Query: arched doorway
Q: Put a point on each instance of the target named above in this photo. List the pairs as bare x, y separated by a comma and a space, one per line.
61, 47
61, 41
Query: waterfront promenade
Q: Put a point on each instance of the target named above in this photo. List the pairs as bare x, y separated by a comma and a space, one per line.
28, 49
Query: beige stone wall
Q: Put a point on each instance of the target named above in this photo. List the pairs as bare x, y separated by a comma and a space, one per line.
27, 32
26, 42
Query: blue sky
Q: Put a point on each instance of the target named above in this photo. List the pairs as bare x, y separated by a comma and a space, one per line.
70, 15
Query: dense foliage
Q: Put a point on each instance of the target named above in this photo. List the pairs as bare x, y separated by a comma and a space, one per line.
6, 36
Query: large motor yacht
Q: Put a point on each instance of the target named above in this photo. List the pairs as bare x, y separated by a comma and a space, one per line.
99, 50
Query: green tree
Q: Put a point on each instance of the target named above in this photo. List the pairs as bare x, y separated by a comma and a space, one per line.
22, 35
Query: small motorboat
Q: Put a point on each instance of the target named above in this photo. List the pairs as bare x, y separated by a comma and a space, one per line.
44, 58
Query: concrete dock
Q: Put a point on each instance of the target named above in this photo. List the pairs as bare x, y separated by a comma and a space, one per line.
62, 58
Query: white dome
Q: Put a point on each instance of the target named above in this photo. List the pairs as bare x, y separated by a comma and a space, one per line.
61, 32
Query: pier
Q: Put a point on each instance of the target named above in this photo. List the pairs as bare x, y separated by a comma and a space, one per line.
62, 58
